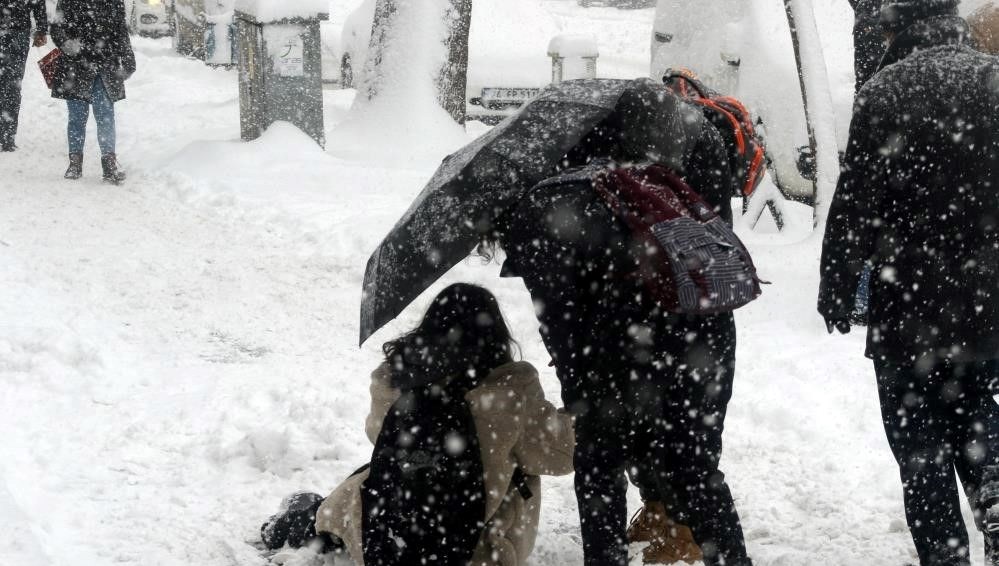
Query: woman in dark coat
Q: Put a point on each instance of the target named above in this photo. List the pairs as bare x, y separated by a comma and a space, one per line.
97, 60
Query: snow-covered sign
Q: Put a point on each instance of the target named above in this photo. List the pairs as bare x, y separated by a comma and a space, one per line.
286, 50
265, 11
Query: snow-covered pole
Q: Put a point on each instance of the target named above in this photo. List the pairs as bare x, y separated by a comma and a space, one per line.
819, 110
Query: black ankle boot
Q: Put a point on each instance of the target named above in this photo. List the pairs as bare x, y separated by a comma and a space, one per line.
112, 174
75, 170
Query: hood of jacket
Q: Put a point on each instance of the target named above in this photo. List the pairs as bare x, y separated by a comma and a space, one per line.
939, 31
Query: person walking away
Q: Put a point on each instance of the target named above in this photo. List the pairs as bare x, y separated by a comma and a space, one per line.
97, 60
647, 387
917, 199
985, 28
520, 435
15, 35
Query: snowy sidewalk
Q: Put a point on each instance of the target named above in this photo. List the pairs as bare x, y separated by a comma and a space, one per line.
178, 354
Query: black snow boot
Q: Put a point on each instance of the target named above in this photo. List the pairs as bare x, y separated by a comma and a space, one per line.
112, 174
75, 170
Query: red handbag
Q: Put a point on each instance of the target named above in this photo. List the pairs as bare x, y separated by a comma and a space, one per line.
48, 66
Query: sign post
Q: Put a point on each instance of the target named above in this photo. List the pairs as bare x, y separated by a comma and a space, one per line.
280, 72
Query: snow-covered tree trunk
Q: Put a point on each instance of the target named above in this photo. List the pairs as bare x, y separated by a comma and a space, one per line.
385, 15
453, 79
418, 47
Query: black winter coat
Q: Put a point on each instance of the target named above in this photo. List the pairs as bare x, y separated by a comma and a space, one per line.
93, 36
918, 198
868, 39
578, 260
17, 15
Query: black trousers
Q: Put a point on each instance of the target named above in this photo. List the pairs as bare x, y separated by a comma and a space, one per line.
14, 45
654, 403
939, 420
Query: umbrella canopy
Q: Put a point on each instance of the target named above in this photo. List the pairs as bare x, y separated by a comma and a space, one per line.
476, 185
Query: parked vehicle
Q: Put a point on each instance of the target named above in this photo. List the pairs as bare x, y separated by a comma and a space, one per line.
507, 61
150, 18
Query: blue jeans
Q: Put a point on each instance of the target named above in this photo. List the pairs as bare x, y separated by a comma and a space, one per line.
79, 113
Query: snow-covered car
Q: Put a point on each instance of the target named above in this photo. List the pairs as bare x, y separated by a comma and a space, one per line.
151, 18
508, 60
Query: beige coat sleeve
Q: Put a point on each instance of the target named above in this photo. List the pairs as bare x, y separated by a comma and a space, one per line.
383, 396
546, 446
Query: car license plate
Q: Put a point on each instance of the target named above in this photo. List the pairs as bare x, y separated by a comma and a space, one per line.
509, 94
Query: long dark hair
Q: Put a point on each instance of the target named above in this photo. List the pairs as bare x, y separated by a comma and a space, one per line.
461, 338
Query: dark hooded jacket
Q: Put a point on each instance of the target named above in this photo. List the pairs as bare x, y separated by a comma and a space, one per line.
578, 261
93, 36
918, 199
17, 15
868, 39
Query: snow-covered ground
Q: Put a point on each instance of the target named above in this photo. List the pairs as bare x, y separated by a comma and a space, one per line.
178, 354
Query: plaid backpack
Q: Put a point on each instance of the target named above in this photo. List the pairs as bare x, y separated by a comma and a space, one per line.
733, 120
693, 261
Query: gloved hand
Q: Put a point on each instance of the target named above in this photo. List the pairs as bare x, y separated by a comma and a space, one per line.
841, 324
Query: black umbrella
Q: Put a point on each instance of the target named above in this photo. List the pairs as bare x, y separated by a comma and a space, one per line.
476, 185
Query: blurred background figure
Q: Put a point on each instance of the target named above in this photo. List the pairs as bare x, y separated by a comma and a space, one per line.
868, 39
15, 35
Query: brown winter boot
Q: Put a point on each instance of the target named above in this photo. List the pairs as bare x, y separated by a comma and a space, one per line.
678, 546
648, 524
670, 542
112, 174
75, 170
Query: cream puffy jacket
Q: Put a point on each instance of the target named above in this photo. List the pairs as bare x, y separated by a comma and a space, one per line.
517, 428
